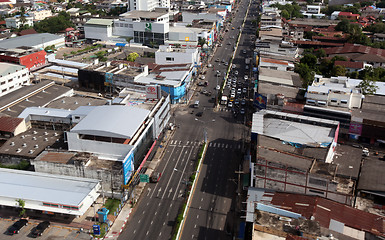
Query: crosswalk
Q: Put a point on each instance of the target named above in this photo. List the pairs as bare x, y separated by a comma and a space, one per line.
225, 145
184, 143
211, 144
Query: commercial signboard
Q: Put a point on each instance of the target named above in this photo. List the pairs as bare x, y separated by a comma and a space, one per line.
128, 167
152, 91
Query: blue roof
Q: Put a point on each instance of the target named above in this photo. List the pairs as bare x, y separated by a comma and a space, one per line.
120, 44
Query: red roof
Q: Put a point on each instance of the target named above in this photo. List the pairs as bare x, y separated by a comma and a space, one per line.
323, 210
9, 124
269, 60
329, 38
348, 64
5, 1
348, 14
318, 43
351, 48
27, 32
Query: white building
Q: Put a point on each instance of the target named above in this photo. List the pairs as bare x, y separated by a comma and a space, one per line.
276, 64
119, 133
335, 91
148, 5
48, 193
41, 14
38, 40
271, 19
313, 9
12, 77
15, 22
98, 29
168, 55
143, 26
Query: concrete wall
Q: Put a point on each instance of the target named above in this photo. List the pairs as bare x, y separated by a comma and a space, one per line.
162, 117
100, 33
105, 150
111, 180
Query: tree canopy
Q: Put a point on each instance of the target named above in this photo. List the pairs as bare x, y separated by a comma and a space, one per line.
54, 24
289, 10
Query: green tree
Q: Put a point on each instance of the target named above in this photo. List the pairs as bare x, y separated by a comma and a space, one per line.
306, 74
201, 41
22, 16
21, 204
310, 60
368, 87
132, 56
128, 39
338, 70
54, 24
285, 14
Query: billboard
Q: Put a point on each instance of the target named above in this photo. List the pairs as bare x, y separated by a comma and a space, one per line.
128, 167
152, 92
355, 128
260, 101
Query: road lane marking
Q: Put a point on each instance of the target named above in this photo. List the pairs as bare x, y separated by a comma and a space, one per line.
201, 199
147, 233
195, 226
134, 231
172, 173
183, 172
197, 216
156, 213
227, 145
160, 234
151, 222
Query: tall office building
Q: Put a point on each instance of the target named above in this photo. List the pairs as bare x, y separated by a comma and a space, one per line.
148, 5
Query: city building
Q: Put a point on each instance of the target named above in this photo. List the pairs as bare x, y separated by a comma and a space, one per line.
271, 18
98, 29
16, 22
144, 27
169, 55
293, 154
334, 91
28, 57
12, 77
121, 133
310, 214
37, 41
40, 14
35, 95
48, 193
148, 5
279, 65
10, 127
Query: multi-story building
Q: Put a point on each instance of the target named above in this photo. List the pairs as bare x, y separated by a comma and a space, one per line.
271, 18
30, 58
98, 29
16, 22
41, 14
169, 55
335, 91
148, 5
145, 27
12, 77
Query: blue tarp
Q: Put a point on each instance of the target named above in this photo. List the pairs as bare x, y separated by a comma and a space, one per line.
120, 44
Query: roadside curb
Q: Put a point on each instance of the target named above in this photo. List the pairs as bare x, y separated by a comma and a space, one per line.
121, 229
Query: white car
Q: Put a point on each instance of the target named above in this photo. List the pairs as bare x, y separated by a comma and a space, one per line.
209, 65
232, 95
230, 104
239, 91
203, 77
218, 87
246, 77
244, 52
236, 72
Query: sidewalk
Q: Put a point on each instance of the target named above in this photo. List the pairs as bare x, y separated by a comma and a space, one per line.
121, 220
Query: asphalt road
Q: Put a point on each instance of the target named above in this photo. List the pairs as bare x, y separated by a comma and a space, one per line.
155, 214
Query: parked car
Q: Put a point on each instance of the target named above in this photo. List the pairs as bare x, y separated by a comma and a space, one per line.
203, 77
155, 177
17, 226
217, 60
40, 228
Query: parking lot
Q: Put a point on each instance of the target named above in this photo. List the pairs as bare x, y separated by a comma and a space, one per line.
53, 232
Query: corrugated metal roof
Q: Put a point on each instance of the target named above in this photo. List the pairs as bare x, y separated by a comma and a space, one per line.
99, 21
41, 187
112, 121
323, 210
9, 124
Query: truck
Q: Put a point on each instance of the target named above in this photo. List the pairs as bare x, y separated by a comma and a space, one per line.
224, 100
